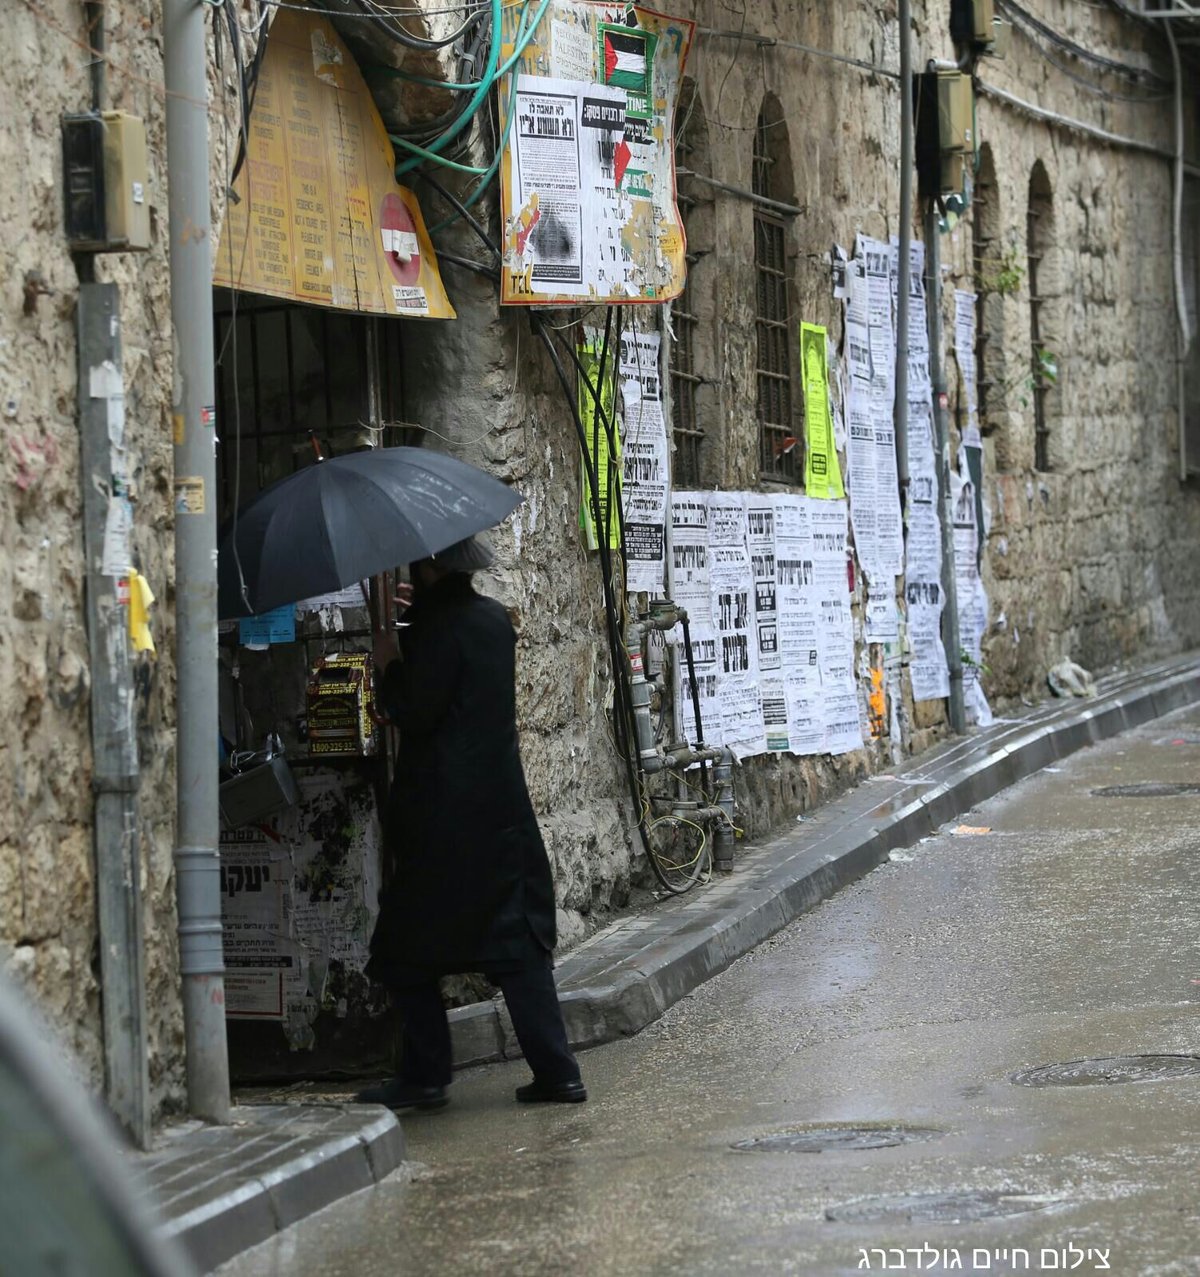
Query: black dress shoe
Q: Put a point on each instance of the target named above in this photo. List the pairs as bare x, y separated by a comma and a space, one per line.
399, 1095
535, 1092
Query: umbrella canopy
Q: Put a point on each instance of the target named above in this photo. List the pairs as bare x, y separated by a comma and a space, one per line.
342, 520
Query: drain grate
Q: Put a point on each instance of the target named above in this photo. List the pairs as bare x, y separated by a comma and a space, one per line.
1147, 789
819, 1139
940, 1208
1111, 1070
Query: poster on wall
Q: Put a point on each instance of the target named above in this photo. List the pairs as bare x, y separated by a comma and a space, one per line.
822, 473
645, 463
924, 597
598, 420
317, 216
872, 477
298, 904
587, 177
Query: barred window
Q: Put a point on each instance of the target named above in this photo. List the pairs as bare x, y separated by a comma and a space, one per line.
686, 428
989, 287
779, 449
1038, 241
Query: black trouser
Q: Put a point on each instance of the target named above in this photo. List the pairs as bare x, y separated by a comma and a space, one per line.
532, 1002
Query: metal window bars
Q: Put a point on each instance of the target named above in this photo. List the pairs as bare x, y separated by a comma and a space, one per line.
778, 447
1037, 221
686, 431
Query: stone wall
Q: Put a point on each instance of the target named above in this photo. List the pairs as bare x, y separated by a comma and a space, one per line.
47, 918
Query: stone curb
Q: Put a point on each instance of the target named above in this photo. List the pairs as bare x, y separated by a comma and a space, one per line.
626, 976
260, 1206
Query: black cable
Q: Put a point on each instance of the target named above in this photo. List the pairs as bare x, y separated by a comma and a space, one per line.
1136, 74
463, 211
235, 44
601, 418
691, 668
393, 31
479, 268
622, 698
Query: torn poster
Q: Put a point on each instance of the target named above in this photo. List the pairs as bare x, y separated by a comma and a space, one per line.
299, 905
872, 476
587, 170
923, 552
964, 354
972, 597
645, 463
822, 473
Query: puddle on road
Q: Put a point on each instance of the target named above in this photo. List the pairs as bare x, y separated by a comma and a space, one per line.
1147, 789
819, 1139
1110, 1070
940, 1208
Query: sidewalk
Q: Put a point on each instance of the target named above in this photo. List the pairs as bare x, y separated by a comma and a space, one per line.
223, 1190
625, 976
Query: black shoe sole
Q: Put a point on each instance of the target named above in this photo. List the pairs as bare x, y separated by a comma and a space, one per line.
567, 1097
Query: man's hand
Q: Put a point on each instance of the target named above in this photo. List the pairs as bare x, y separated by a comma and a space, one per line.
386, 649
404, 595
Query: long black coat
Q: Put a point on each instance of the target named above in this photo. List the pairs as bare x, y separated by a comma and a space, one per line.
470, 887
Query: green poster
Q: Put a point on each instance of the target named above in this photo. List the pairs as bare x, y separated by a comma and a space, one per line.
822, 474
608, 468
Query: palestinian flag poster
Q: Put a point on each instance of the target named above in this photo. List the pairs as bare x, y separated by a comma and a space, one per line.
626, 58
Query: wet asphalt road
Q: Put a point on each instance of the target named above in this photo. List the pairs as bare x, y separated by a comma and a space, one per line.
1068, 930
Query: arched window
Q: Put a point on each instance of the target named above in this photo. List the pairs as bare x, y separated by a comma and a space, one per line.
1039, 241
779, 447
992, 274
695, 204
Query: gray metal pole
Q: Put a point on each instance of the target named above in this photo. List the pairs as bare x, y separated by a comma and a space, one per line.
941, 426
114, 731
197, 859
904, 264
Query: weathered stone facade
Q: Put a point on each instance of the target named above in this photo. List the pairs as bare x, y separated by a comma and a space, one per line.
1089, 558
47, 862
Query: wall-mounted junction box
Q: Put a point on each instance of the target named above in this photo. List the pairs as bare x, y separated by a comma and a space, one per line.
971, 21
944, 105
105, 182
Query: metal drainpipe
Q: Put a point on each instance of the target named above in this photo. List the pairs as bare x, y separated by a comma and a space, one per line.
933, 289
1181, 311
904, 262
723, 841
197, 859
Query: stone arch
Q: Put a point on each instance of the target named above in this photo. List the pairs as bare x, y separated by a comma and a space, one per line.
1042, 276
995, 277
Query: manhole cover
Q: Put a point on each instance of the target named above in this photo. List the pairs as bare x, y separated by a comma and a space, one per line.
817, 1139
1113, 1069
939, 1208
1146, 789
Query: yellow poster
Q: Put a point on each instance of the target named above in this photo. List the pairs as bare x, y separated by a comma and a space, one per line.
822, 474
608, 466
318, 216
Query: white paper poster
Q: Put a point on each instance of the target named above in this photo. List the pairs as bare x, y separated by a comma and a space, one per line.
923, 553
645, 463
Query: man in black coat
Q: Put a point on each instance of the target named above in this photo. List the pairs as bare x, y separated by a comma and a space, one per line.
470, 886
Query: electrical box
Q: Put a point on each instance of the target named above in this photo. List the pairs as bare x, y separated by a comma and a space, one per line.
944, 106
971, 21
955, 112
1001, 45
105, 182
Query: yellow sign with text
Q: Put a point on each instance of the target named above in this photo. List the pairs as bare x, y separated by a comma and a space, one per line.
318, 217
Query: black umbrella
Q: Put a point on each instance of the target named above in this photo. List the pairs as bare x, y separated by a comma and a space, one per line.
342, 520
